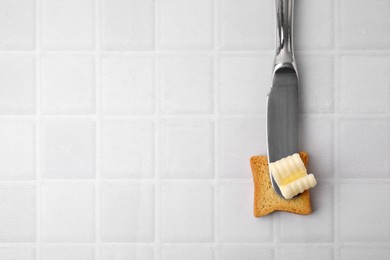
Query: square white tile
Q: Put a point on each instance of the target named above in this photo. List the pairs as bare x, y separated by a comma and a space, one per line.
365, 212
187, 252
127, 149
357, 29
67, 253
247, 252
17, 253
312, 33
306, 253
364, 83
68, 212
17, 149
236, 221
186, 24
186, 149
17, 20
244, 83
128, 25
247, 24
18, 87
127, 85
68, 149
68, 84
364, 148
318, 226
359, 253
18, 213
320, 150
316, 83
68, 25
187, 212
127, 213
186, 85
126, 253
239, 140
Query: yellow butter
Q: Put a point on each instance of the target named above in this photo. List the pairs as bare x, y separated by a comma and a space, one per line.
298, 186
291, 176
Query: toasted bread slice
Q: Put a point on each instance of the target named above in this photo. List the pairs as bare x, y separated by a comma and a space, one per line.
266, 200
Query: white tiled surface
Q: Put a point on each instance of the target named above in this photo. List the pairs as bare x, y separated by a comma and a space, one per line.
17, 76
67, 212
127, 84
17, 160
126, 252
368, 221
235, 226
68, 25
68, 146
359, 31
185, 24
240, 78
312, 33
126, 149
126, 129
307, 252
186, 85
127, 213
187, 212
68, 84
245, 25
317, 95
9, 253
127, 25
374, 253
186, 149
66, 253
187, 252
356, 75
18, 20
247, 252
18, 213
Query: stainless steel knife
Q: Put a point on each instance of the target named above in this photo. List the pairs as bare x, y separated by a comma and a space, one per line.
282, 100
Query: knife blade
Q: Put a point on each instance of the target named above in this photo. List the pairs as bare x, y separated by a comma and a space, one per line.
282, 100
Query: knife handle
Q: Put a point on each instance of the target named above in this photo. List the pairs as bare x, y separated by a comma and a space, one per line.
284, 34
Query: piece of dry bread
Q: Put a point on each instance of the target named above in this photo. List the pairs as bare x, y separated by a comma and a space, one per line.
266, 200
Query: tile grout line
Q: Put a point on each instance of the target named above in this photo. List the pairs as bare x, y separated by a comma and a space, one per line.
269, 245
336, 106
349, 115
97, 16
194, 52
38, 124
336, 195
216, 125
330, 181
157, 185
384, 180
276, 217
336, 192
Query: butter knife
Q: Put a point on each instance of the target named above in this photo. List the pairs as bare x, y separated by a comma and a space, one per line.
282, 100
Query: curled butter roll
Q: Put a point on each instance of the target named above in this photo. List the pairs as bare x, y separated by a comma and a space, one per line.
288, 169
298, 186
291, 176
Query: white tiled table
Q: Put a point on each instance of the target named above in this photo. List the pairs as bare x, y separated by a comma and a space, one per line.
126, 129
